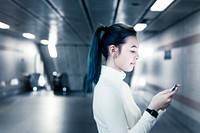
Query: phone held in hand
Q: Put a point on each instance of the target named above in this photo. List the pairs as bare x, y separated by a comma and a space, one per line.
175, 86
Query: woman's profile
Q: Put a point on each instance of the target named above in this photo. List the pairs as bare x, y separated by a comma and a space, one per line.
114, 108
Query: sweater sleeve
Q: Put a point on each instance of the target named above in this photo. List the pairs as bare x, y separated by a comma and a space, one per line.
114, 117
144, 124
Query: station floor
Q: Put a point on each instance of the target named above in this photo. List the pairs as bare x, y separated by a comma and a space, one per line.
44, 112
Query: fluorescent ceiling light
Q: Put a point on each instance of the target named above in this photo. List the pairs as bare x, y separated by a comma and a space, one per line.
55, 73
41, 81
4, 26
161, 5
28, 35
52, 51
142, 82
53, 40
45, 42
121, 15
140, 26
14, 81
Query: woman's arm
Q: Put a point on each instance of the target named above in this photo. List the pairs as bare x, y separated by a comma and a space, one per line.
113, 115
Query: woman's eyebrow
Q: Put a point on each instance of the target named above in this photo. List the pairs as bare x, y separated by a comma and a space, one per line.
134, 46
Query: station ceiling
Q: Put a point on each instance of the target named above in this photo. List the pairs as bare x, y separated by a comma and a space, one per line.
76, 20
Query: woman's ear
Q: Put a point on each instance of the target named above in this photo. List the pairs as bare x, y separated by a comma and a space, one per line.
113, 51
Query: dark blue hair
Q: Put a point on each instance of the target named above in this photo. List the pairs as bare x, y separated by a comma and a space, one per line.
102, 39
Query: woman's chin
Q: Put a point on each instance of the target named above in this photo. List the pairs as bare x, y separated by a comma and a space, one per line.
129, 69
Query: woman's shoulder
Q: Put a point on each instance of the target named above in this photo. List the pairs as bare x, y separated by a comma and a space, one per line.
106, 89
106, 95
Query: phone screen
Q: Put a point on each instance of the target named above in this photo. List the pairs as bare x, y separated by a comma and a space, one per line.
175, 86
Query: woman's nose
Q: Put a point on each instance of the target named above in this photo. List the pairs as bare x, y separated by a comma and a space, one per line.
137, 56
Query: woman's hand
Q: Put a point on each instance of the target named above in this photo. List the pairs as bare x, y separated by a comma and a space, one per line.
163, 99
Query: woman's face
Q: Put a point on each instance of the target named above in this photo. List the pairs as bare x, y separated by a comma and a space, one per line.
127, 59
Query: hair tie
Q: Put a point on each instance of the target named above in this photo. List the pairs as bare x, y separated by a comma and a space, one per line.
105, 28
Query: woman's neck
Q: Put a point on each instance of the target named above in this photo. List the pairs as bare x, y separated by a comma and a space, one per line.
110, 63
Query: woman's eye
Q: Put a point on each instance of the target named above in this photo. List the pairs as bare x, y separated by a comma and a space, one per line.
132, 51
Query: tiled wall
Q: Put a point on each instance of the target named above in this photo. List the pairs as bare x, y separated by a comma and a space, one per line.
17, 59
183, 39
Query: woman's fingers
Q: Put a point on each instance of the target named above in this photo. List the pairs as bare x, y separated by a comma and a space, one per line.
171, 91
165, 91
163, 99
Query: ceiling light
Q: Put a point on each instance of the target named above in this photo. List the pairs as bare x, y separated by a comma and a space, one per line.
142, 82
140, 26
53, 40
28, 35
55, 73
4, 26
14, 81
161, 5
52, 51
121, 16
45, 42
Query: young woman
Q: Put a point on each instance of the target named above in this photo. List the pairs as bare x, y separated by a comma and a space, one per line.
114, 108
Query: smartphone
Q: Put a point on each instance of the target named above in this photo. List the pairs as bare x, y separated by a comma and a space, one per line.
175, 86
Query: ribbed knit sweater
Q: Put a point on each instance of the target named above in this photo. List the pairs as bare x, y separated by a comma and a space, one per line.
114, 108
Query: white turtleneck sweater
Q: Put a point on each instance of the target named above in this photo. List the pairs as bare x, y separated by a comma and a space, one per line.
114, 108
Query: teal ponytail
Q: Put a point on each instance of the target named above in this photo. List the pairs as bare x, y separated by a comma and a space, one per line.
94, 61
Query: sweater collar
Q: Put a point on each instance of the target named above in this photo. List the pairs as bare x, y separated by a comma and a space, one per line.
111, 72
